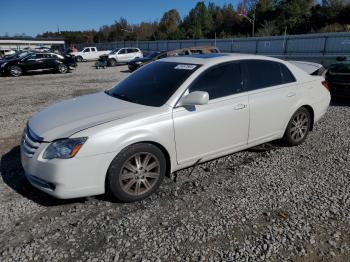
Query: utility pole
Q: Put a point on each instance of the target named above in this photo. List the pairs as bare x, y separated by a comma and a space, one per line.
251, 20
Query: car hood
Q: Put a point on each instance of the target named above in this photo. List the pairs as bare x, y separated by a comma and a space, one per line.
68, 117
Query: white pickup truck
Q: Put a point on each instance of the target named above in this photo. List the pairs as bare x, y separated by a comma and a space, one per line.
89, 53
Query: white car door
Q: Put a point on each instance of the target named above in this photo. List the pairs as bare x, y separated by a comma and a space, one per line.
206, 131
273, 96
87, 53
122, 55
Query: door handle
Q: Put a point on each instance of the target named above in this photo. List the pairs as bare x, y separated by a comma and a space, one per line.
240, 106
291, 94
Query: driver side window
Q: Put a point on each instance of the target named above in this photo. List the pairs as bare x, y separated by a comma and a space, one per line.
220, 81
122, 51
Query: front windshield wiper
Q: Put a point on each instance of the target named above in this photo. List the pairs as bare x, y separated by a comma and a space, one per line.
121, 96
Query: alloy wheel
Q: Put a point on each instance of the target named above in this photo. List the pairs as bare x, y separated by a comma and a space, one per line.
139, 174
62, 69
15, 71
300, 126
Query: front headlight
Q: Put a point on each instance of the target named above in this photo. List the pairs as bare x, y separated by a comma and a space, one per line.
138, 62
3, 65
64, 148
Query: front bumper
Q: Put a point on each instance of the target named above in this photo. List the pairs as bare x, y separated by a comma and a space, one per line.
66, 178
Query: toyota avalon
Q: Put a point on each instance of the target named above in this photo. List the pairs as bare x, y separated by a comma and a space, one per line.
166, 116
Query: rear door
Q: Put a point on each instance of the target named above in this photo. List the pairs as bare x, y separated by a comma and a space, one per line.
131, 53
50, 61
273, 94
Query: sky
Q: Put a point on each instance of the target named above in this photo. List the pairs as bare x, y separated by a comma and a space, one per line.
37, 16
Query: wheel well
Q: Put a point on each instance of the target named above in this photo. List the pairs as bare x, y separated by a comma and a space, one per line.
162, 148
312, 114
165, 153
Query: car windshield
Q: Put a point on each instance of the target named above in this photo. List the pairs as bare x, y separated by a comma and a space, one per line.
115, 51
153, 84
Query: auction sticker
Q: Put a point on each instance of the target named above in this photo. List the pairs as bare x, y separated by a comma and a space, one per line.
185, 67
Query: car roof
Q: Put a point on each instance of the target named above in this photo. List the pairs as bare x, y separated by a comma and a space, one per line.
214, 58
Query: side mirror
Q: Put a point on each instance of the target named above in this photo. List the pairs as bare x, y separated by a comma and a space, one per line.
194, 98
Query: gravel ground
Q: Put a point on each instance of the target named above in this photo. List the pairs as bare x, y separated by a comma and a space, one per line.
285, 204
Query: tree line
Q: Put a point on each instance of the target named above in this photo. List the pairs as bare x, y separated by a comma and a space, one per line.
271, 17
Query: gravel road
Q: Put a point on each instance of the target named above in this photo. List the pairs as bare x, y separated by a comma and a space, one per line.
284, 204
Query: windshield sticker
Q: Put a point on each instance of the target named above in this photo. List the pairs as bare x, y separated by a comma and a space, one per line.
185, 67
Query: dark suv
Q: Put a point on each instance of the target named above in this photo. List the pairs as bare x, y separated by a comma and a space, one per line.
338, 77
37, 62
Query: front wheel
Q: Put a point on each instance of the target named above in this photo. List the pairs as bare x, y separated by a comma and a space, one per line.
298, 127
136, 172
112, 62
16, 71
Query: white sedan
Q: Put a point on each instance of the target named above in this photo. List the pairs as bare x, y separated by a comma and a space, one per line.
168, 115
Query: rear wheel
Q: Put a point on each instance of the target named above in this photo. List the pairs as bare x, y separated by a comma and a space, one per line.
136, 172
16, 71
62, 68
112, 62
298, 127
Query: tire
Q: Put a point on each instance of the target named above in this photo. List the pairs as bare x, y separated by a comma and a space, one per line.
79, 59
15, 71
62, 68
112, 62
136, 172
298, 127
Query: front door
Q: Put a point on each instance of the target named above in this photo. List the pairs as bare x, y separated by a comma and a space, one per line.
33, 62
207, 131
122, 55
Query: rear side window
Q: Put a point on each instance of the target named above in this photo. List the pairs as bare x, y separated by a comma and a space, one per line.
219, 81
261, 74
287, 76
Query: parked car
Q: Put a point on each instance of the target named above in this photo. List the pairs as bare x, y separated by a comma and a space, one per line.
310, 67
194, 50
89, 53
153, 56
122, 55
37, 62
168, 115
140, 61
338, 78
6, 52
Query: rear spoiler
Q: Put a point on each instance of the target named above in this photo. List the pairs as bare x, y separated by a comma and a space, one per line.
310, 68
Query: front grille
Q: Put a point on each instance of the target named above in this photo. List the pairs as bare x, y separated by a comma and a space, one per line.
30, 142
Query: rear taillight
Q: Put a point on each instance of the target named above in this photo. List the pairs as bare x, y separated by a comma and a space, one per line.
325, 84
